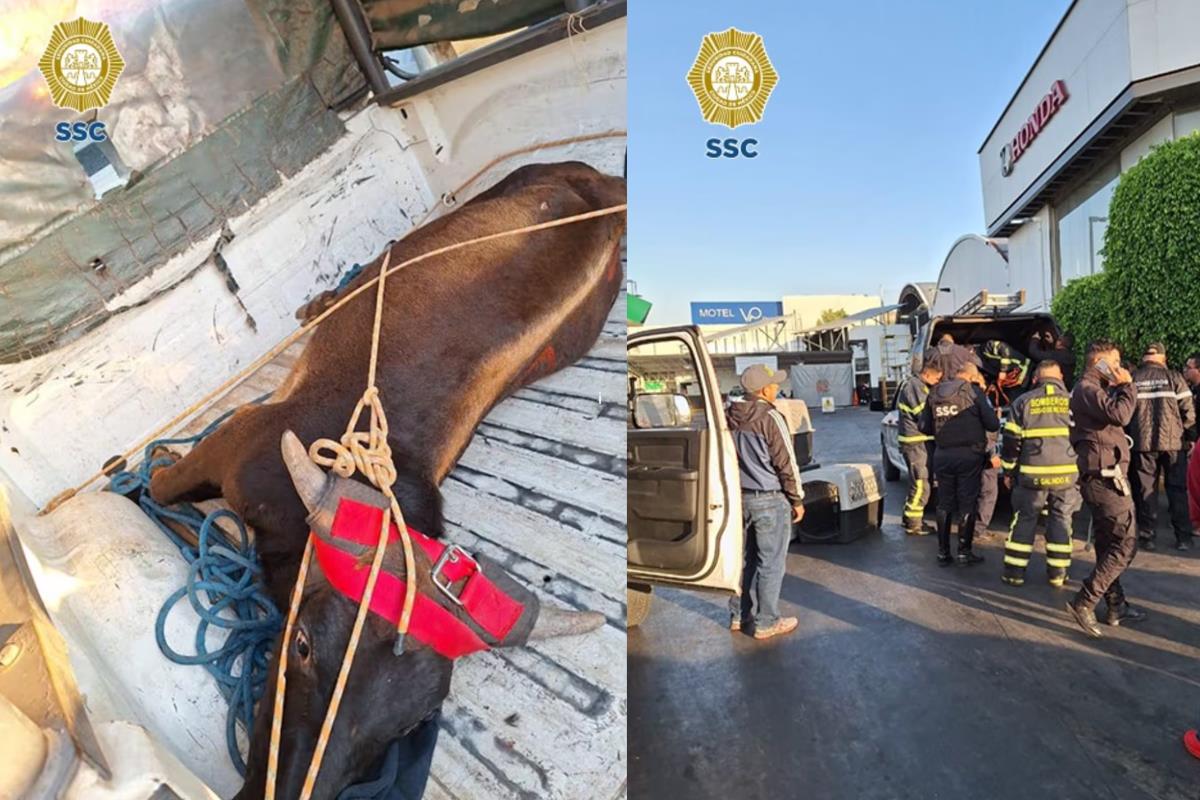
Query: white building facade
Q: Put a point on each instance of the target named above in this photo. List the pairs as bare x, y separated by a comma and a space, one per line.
1116, 78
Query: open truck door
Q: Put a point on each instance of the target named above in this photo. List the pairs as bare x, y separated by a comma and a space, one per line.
685, 515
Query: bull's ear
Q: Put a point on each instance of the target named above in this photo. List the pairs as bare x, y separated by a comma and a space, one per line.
554, 622
307, 477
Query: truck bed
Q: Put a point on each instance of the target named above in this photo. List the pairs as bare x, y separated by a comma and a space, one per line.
541, 490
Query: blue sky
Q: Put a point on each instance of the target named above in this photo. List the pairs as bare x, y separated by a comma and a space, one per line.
867, 169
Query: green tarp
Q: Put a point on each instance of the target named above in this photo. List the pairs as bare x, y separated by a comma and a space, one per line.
396, 24
247, 110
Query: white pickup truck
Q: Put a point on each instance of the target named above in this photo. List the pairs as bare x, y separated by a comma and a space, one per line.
1013, 328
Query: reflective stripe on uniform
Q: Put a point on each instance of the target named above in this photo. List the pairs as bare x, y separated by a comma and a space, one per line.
1055, 547
1008, 464
916, 438
1013, 427
910, 409
1058, 562
1017, 547
1056, 469
913, 508
1045, 433
1166, 394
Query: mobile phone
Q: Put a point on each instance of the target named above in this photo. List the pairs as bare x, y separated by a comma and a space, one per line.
1105, 369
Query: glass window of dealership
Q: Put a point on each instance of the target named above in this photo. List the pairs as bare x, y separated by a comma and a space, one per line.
1112, 82
1083, 212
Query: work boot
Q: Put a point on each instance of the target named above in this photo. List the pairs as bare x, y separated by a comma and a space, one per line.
1085, 617
1124, 614
1013, 576
966, 535
944, 558
1057, 579
784, 625
914, 526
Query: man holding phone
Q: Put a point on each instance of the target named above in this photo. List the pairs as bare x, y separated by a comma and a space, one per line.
772, 500
1102, 404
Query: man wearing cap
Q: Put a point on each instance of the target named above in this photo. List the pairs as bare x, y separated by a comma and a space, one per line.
772, 501
1162, 419
917, 447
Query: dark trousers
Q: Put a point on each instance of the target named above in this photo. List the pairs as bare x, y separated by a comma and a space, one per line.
917, 457
1115, 533
1145, 468
1027, 504
958, 479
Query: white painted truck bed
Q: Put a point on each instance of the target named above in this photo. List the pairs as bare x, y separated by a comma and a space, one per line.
540, 489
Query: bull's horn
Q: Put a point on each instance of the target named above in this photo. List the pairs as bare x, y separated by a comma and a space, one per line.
553, 622
307, 477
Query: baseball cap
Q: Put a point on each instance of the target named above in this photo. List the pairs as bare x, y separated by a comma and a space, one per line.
1155, 349
756, 376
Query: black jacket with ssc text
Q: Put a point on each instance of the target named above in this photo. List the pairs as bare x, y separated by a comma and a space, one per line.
958, 415
1099, 414
1165, 411
766, 462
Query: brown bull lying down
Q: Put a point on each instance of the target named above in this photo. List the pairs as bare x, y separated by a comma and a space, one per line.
460, 332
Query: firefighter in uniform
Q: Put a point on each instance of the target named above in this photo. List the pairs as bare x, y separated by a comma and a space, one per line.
1040, 463
917, 447
1162, 421
1102, 404
959, 417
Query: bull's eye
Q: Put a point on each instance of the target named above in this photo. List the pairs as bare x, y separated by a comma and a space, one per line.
302, 648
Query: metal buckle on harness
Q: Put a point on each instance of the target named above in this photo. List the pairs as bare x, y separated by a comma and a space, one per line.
450, 555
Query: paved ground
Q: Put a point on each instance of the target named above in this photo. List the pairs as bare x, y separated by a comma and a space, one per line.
907, 680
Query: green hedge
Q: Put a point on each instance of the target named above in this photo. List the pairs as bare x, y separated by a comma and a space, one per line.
1081, 307
1150, 287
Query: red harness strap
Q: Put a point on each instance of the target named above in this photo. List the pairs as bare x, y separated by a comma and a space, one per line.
432, 623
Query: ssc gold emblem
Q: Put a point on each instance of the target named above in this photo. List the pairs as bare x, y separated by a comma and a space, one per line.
732, 78
81, 64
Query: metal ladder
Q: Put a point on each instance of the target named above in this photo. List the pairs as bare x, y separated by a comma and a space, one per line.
987, 303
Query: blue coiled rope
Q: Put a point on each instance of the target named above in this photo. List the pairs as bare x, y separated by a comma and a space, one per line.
223, 586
